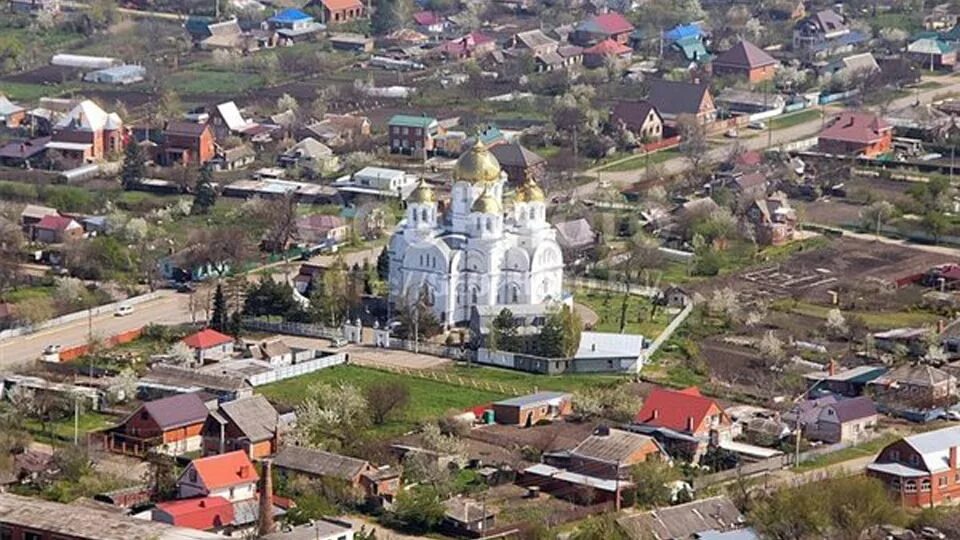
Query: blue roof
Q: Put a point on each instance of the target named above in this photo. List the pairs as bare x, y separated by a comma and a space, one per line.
291, 15
683, 31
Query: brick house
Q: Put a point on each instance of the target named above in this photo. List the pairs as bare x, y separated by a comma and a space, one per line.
209, 344
687, 420
231, 476
745, 61
472, 45
250, 424
322, 229
86, 134
412, 135
612, 453
673, 99
598, 28
363, 477
188, 143
640, 118
856, 133
518, 162
597, 55
169, 425
774, 220
526, 411
921, 470
341, 11
914, 387
56, 229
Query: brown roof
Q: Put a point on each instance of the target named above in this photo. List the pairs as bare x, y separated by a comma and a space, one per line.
177, 410
857, 127
744, 55
254, 416
319, 463
633, 114
334, 5
613, 446
515, 155
677, 97
185, 129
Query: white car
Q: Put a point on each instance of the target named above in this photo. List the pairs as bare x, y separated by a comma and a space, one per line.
123, 311
51, 349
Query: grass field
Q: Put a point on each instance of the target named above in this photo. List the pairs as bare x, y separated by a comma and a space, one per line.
29, 293
793, 119
519, 379
609, 306
428, 399
17, 91
640, 161
854, 452
61, 431
882, 320
213, 82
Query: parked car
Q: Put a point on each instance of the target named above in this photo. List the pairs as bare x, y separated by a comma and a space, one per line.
51, 349
951, 415
757, 125
123, 311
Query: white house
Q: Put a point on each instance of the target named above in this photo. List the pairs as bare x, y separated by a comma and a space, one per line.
231, 476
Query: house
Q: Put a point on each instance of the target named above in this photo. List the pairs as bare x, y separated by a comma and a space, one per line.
294, 26
472, 45
339, 129
319, 529
673, 99
429, 22
56, 229
697, 420
845, 420
518, 162
563, 57
577, 238
231, 476
640, 118
36, 519
849, 382
377, 182
229, 35
527, 411
601, 27
464, 516
35, 7
612, 453
786, 10
924, 122
340, 11
692, 50
203, 513
914, 388
24, 153
11, 114
600, 54
535, 42
412, 135
745, 61
33, 213
317, 229
86, 134
747, 102
686, 521
921, 470
360, 475
855, 134
249, 424
169, 425
310, 154
188, 143
773, 219
232, 159
912, 340
933, 53
674, 297
824, 32
208, 344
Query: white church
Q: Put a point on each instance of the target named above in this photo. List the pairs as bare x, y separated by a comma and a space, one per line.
474, 253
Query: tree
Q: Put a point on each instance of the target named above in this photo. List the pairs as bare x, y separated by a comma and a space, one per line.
383, 265
693, 140
11, 244
386, 399
503, 332
181, 354
876, 215
34, 310
269, 297
286, 102
123, 387
415, 313
280, 219
790, 77
330, 417
560, 335
652, 479
771, 347
218, 321
206, 195
133, 169
935, 224
390, 15
836, 323
420, 508
603, 527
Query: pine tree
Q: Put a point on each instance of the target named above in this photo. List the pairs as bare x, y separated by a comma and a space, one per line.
218, 320
133, 165
383, 265
206, 195
504, 332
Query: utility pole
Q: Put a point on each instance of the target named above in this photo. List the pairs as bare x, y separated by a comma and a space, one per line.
76, 419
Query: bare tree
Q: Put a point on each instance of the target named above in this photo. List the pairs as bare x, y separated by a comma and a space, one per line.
693, 141
386, 398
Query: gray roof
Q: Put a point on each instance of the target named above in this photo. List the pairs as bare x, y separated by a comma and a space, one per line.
535, 38
515, 155
165, 374
608, 344
310, 147
576, 233
466, 510
683, 521
920, 375
254, 416
540, 398
677, 97
616, 446
177, 411
319, 463
318, 529
934, 446
854, 409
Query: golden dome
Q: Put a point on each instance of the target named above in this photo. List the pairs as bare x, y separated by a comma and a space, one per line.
477, 165
423, 194
486, 204
529, 191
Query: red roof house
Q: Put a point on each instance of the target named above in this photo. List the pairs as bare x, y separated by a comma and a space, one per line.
597, 55
747, 61
204, 513
685, 411
856, 133
340, 11
471, 45
430, 21
208, 343
610, 25
231, 475
56, 229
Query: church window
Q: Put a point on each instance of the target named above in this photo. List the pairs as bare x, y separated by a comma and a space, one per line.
423, 214
489, 224
474, 295
421, 259
514, 295
478, 223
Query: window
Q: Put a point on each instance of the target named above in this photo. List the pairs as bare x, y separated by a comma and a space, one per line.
925, 484
942, 481
6, 533
914, 460
474, 295
910, 486
27, 535
895, 455
193, 475
231, 493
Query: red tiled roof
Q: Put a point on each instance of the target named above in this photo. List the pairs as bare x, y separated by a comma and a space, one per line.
206, 338
613, 23
857, 127
465, 43
225, 470
426, 18
336, 5
204, 513
54, 223
608, 47
750, 158
674, 409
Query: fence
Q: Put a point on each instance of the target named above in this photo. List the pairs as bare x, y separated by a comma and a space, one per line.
295, 370
747, 469
614, 286
292, 328
669, 142
72, 353
446, 378
77, 315
668, 331
831, 98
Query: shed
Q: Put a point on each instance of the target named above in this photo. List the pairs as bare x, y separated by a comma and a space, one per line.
528, 410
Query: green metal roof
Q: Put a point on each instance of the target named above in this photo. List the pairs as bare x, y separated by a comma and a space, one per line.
406, 120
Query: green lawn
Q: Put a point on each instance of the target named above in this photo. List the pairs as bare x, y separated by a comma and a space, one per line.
640, 161
519, 379
18, 91
854, 452
609, 307
882, 320
62, 430
29, 293
793, 119
213, 82
428, 399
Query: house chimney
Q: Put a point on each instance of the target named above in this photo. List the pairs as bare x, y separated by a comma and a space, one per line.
266, 498
832, 367
656, 414
953, 458
690, 424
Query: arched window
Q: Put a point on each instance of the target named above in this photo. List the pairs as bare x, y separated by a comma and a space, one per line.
514, 294
474, 295
423, 214
910, 486
489, 224
478, 223
925, 484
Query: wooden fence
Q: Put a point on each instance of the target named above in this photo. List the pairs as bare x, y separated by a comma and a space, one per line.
446, 377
